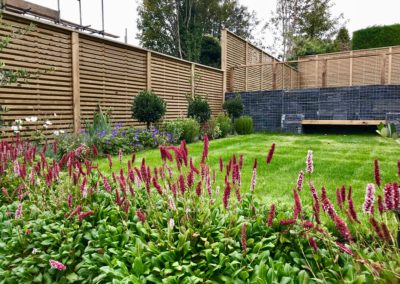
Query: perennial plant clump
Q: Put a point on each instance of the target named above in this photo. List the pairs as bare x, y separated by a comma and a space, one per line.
65, 220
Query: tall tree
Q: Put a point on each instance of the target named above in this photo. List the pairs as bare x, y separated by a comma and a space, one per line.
177, 27
296, 21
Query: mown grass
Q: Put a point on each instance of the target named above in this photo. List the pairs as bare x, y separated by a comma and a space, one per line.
338, 160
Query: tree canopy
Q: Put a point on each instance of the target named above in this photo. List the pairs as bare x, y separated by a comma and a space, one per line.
177, 27
309, 22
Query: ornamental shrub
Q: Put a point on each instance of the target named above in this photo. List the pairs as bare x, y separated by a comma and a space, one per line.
376, 36
234, 107
213, 129
199, 109
187, 129
244, 125
148, 107
225, 124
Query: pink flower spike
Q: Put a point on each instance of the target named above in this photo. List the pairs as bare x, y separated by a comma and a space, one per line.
243, 238
309, 162
389, 196
205, 149
270, 153
297, 204
227, 193
368, 205
300, 179
18, 212
313, 244
377, 173
57, 265
398, 168
109, 161
271, 215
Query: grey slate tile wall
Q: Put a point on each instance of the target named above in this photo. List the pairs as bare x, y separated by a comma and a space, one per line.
344, 103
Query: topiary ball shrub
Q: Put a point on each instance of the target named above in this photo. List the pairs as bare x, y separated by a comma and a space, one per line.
148, 107
244, 125
234, 107
199, 109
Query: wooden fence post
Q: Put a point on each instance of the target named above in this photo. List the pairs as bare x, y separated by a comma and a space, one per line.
224, 42
245, 68
193, 67
148, 71
390, 66
261, 71
76, 92
351, 69
273, 74
383, 69
324, 71
316, 72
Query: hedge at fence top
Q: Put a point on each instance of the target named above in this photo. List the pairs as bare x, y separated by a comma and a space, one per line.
376, 36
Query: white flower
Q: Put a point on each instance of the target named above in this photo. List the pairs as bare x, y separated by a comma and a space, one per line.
34, 250
171, 223
56, 132
28, 119
62, 131
34, 118
48, 122
45, 126
16, 128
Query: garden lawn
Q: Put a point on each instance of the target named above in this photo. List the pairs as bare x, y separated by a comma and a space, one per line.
338, 160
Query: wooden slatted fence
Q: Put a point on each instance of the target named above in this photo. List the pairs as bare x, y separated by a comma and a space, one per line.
89, 70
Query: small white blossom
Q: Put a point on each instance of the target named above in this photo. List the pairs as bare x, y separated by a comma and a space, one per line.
34, 118
56, 132
45, 126
171, 224
34, 250
28, 119
48, 122
62, 131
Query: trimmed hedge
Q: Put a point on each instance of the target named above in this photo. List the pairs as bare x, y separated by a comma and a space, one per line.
376, 36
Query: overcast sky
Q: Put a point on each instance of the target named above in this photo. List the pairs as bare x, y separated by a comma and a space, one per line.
359, 13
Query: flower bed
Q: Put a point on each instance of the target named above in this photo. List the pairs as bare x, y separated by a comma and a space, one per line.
63, 220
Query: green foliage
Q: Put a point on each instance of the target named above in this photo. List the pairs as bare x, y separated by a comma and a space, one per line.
342, 41
213, 129
3, 110
308, 46
104, 232
177, 28
234, 107
219, 126
199, 108
376, 36
210, 53
244, 125
297, 21
148, 107
225, 124
101, 123
387, 131
187, 129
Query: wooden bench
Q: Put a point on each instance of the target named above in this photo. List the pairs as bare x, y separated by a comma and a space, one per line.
342, 122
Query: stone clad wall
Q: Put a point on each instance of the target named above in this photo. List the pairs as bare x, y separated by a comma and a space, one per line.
282, 109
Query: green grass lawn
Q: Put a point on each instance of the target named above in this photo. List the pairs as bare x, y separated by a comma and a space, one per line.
338, 160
